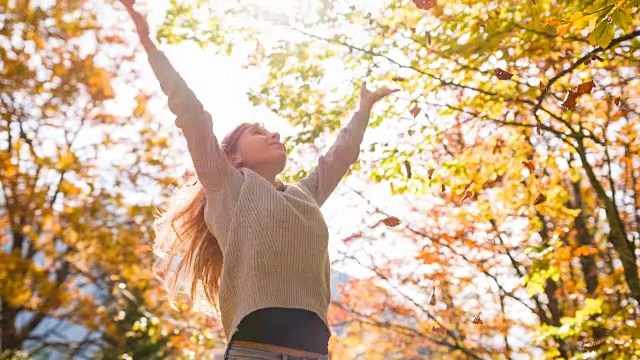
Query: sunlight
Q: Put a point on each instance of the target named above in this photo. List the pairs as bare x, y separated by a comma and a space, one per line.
281, 12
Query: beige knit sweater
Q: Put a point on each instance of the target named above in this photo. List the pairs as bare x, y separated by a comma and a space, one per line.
274, 243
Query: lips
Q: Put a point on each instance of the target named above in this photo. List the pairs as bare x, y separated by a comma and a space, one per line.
279, 145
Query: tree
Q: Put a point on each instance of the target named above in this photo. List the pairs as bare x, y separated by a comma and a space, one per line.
80, 167
518, 125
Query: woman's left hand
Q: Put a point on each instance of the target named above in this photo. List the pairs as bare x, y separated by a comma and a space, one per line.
368, 98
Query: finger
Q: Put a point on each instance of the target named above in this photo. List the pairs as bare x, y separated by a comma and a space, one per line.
386, 92
363, 87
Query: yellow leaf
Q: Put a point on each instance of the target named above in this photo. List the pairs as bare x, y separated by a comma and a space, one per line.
141, 108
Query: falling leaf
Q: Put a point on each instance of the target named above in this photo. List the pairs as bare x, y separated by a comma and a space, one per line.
590, 346
407, 166
444, 188
433, 297
393, 30
538, 128
428, 38
430, 172
141, 106
391, 221
477, 320
467, 195
413, 30
415, 111
425, 4
570, 100
438, 329
616, 101
498, 146
529, 165
398, 78
540, 199
585, 88
502, 74
553, 22
369, 15
542, 85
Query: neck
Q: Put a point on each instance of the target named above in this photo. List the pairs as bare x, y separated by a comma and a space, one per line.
268, 174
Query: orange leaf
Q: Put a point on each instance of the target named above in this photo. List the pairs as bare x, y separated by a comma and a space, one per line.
584, 250
529, 165
502, 74
393, 30
542, 85
438, 329
415, 111
570, 100
540, 199
467, 195
553, 22
425, 4
477, 320
391, 221
585, 88
563, 29
627, 161
430, 172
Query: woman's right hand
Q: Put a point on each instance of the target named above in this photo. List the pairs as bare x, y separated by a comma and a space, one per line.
128, 3
142, 27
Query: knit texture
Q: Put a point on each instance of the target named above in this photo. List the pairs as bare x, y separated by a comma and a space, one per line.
274, 243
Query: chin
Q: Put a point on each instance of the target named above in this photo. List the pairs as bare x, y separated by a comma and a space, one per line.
283, 163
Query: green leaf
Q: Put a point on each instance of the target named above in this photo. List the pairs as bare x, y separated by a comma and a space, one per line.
622, 19
607, 35
597, 32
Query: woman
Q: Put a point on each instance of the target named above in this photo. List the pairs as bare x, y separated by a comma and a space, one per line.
272, 290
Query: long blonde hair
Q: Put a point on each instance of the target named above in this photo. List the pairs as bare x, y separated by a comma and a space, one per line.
182, 234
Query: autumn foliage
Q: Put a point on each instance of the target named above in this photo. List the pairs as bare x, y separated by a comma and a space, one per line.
77, 167
512, 150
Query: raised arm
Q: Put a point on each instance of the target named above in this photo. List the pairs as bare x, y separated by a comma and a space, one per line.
209, 160
333, 165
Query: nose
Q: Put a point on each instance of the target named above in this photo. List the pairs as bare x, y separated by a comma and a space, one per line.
275, 136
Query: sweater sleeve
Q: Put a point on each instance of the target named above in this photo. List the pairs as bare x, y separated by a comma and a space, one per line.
210, 162
333, 165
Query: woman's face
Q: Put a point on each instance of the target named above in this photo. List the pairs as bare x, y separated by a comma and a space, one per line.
260, 149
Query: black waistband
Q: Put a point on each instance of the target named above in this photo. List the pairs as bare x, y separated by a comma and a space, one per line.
293, 328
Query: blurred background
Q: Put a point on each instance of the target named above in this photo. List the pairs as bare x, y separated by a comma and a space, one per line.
494, 212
